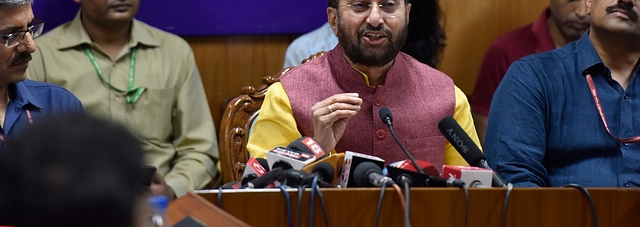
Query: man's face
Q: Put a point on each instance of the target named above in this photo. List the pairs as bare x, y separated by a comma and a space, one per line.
14, 60
109, 10
570, 16
615, 15
372, 37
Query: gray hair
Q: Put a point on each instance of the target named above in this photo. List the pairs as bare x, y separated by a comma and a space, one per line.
14, 3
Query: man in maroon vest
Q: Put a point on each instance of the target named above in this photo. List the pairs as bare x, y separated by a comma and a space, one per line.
336, 98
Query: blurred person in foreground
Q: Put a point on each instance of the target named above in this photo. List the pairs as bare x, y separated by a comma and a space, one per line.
72, 170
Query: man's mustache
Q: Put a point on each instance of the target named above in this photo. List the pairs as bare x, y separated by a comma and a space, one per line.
369, 27
625, 6
21, 57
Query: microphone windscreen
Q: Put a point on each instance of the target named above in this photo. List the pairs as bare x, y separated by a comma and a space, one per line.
351, 161
308, 145
325, 171
362, 171
468, 149
335, 160
385, 115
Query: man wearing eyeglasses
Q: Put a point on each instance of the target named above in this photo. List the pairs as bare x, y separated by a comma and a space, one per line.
571, 115
24, 101
127, 71
336, 98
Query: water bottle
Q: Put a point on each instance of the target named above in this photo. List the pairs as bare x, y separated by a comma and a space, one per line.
159, 205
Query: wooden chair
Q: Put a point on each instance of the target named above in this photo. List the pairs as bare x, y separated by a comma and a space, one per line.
236, 122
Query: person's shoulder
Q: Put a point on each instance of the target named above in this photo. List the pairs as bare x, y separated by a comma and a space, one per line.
44, 87
517, 35
165, 38
53, 36
420, 67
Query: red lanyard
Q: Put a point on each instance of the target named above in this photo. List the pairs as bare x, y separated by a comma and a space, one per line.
4, 139
596, 99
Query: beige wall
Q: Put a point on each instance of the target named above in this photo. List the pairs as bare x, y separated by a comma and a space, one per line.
227, 63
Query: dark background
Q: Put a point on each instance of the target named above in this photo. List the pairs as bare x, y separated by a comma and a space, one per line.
208, 17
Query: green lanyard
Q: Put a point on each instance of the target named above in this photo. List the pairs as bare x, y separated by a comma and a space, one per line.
132, 93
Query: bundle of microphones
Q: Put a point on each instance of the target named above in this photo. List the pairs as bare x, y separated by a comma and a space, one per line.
304, 159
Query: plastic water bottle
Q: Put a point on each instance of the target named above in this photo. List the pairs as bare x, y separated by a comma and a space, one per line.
159, 205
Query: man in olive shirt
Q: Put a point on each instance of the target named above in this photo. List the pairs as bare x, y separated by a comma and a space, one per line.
142, 77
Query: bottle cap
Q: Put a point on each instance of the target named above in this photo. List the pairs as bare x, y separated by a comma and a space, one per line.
159, 202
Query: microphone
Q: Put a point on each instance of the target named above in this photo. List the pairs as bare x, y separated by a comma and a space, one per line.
466, 147
368, 174
266, 179
308, 145
407, 173
255, 166
324, 170
282, 156
387, 119
426, 167
335, 161
353, 160
474, 177
295, 178
299, 153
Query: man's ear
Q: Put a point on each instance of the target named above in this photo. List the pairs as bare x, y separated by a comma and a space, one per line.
588, 2
332, 18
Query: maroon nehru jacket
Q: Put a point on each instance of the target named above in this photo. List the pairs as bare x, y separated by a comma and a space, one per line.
529, 39
417, 95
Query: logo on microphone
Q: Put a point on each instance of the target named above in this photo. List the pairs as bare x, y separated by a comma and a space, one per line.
256, 165
313, 146
345, 170
457, 141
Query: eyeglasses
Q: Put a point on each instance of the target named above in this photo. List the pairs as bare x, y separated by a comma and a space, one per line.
14, 38
389, 8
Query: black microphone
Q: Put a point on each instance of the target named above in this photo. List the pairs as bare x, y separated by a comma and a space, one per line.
368, 174
295, 178
266, 179
325, 171
415, 179
451, 130
387, 119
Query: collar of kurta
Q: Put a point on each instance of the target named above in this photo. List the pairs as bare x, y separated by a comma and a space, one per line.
76, 35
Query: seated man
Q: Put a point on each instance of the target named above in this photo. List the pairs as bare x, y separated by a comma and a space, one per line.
570, 115
336, 98
139, 76
22, 101
562, 22
425, 40
71, 171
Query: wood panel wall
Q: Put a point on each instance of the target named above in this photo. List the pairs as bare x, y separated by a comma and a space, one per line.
471, 26
227, 63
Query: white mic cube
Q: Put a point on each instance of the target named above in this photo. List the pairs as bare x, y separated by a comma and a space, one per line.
469, 174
